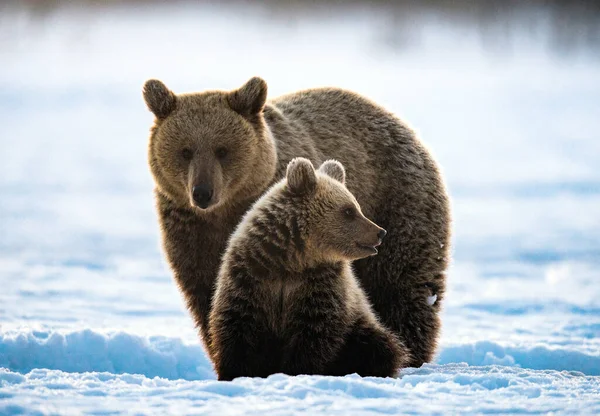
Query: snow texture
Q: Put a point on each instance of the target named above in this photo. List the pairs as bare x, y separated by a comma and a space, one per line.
90, 318
430, 389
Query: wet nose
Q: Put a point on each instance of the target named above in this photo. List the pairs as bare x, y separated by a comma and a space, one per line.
202, 195
381, 234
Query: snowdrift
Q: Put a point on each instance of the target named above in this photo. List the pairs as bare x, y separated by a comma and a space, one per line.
170, 358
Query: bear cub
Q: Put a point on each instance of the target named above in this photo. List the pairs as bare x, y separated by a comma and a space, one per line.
286, 299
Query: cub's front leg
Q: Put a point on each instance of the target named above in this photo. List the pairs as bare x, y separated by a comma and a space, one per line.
314, 335
242, 345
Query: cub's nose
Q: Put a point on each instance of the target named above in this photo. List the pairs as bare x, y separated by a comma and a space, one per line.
381, 234
202, 195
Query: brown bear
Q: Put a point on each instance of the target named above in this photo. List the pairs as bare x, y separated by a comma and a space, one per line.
212, 154
286, 299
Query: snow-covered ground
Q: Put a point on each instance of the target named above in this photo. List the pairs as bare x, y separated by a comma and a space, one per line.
90, 319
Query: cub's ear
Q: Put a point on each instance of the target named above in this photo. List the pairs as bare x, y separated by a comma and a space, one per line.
301, 176
334, 169
250, 99
159, 99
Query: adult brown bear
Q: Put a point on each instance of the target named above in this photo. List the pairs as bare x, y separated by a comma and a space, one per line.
213, 153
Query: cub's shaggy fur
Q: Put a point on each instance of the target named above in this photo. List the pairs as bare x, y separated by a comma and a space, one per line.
286, 298
212, 154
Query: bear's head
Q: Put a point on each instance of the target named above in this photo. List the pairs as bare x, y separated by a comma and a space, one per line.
211, 148
328, 216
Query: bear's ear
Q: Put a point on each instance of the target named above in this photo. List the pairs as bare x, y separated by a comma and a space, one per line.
159, 99
334, 169
301, 176
250, 99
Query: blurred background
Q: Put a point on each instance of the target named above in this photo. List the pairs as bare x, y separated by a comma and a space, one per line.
506, 95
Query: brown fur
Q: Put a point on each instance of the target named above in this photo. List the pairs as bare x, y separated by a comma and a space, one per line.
286, 299
392, 175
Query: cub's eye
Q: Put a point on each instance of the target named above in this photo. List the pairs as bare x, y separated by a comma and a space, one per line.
221, 152
187, 154
349, 213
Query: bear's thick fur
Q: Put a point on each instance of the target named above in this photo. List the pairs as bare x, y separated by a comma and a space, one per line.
212, 154
286, 299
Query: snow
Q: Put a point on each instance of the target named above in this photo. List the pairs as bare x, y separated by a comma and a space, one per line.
430, 389
431, 299
87, 350
90, 318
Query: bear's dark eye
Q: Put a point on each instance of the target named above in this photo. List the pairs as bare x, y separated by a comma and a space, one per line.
221, 153
187, 154
349, 212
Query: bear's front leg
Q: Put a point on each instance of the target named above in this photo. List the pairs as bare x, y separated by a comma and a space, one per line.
315, 336
242, 346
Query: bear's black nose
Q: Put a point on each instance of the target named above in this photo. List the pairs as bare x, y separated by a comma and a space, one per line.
202, 195
381, 234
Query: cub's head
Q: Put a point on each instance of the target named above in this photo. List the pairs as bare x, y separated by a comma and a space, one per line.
208, 149
328, 216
